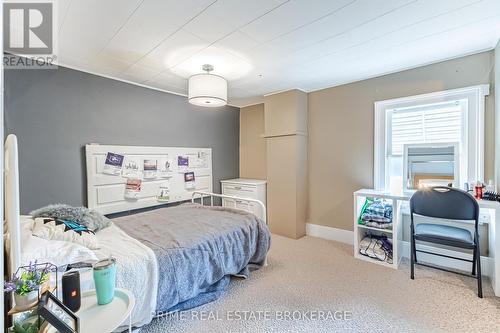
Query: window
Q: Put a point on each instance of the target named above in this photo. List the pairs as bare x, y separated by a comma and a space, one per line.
434, 123
443, 117
437, 123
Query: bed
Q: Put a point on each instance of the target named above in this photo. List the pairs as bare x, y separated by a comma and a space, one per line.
170, 258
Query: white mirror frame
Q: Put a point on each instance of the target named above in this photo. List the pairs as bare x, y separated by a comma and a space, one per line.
456, 162
474, 136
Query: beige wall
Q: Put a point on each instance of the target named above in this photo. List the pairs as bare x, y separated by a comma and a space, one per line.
341, 130
273, 146
288, 116
286, 130
252, 144
287, 185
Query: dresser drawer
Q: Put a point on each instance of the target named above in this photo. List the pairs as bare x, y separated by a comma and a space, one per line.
238, 204
245, 191
244, 205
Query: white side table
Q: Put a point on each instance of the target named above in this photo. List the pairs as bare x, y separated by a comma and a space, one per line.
105, 318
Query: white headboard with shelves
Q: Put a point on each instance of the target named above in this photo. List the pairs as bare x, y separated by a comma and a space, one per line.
106, 193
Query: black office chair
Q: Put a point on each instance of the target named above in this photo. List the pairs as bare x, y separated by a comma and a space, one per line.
446, 203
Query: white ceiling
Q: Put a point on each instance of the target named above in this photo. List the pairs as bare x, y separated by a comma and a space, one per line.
264, 46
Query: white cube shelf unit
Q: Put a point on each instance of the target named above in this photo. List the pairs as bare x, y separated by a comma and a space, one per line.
395, 234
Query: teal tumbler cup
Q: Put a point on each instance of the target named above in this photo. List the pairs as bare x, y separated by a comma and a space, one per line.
104, 280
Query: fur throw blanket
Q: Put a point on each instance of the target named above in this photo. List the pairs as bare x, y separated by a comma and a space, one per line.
82, 215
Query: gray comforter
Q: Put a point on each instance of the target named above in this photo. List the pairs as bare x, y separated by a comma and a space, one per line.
198, 248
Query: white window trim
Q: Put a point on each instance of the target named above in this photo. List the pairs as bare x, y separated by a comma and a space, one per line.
475, 121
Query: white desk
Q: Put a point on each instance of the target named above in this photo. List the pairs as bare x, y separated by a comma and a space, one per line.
492, 207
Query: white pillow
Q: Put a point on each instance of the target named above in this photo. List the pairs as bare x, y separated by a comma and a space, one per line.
63, 230
58, 253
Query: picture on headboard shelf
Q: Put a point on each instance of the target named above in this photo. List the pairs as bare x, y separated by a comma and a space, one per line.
133, 188
199, 160
182, 163
164, 192
166, 168
131, 167
189, 177
189, 180
113, 164
150, 168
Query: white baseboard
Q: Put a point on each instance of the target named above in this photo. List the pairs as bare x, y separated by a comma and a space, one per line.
321, 231
347, 237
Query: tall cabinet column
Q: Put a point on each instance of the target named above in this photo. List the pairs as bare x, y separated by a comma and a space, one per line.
286, 143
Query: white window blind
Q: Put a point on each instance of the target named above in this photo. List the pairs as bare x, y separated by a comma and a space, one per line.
430, 124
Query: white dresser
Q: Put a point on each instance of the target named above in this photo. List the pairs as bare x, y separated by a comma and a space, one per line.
245, 188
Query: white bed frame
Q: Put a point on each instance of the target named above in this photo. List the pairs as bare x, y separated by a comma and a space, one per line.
12, 208
245, 201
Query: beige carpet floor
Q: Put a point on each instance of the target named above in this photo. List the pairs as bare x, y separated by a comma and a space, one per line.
311, 275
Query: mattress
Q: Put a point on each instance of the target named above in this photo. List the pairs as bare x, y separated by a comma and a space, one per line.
198, 249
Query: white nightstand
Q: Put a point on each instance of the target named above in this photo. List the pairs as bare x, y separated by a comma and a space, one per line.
245, 188
104, 318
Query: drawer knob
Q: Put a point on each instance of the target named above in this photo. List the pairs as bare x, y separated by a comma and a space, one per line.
237, 187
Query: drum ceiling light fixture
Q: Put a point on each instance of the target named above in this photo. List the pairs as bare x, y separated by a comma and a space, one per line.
208, 90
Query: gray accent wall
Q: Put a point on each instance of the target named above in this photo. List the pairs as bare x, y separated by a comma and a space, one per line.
54, 113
